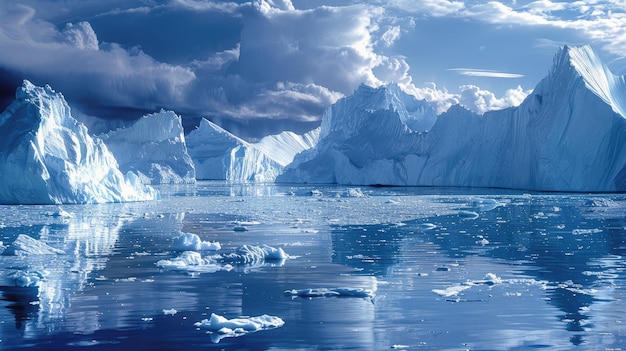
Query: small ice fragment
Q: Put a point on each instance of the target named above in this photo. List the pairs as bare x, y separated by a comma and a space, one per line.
27, 279
483, 242
427, 226
240, 228
399, 346
451, 290
170, 312
468, 214
316, 192
491, 278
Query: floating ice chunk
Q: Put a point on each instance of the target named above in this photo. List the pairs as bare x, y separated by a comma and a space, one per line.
192, 242
316, 192
224, 327
240, 228
24, 245
451, 290
169, 312
427, 226
491, 278
26, 279
250, 254
193, 262
355, 192
586, 231
331, 292
468, 214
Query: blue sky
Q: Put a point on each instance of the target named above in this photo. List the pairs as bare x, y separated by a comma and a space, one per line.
259, 67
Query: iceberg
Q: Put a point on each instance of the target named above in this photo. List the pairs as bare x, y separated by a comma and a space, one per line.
220, 155
192, 242
567, 135
154, 148
48, 157
25, 245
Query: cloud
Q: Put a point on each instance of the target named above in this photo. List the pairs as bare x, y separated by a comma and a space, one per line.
75, 63
473, 72
481, 101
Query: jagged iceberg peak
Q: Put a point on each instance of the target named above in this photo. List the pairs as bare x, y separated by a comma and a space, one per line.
347, 114
153, 147
218, 154
47, 156
574, 62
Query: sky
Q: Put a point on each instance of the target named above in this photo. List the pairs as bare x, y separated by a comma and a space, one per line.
263, 66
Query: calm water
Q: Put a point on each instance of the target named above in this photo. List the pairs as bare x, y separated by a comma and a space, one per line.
452, 269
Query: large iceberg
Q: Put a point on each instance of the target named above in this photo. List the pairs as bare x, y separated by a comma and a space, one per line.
218, 154
154, 148
568, 135
48, 157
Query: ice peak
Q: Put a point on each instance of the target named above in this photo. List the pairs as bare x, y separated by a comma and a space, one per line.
583, 62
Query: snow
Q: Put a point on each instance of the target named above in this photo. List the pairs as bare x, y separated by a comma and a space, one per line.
49, 157
153, 147
192, 242
238, 326
220, 155
566, 136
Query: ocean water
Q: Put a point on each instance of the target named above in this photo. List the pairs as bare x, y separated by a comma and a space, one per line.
448, 269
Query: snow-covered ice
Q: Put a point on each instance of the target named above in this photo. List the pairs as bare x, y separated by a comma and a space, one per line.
50, 158
153, 147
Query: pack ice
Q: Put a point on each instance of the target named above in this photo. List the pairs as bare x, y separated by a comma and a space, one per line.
218, 154
49, 158
154, 148
568, 135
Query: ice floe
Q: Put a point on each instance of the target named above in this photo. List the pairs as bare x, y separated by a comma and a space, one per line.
221, 327
192, 261
331, 292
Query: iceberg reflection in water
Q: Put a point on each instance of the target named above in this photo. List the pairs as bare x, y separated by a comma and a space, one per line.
524, 271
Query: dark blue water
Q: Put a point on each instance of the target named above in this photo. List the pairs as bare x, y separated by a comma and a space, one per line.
451, 269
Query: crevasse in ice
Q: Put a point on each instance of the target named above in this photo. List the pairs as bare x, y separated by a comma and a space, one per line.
48, 157
567, 135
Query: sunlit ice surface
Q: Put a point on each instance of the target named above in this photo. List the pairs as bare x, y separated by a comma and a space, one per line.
364, 268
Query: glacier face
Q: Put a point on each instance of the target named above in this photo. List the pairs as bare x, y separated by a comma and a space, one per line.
218, 154
154, 148
568, 135
48, 157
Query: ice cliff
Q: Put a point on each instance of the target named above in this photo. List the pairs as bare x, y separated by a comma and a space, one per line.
568, 135
48, 157
218, 154
154, 148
